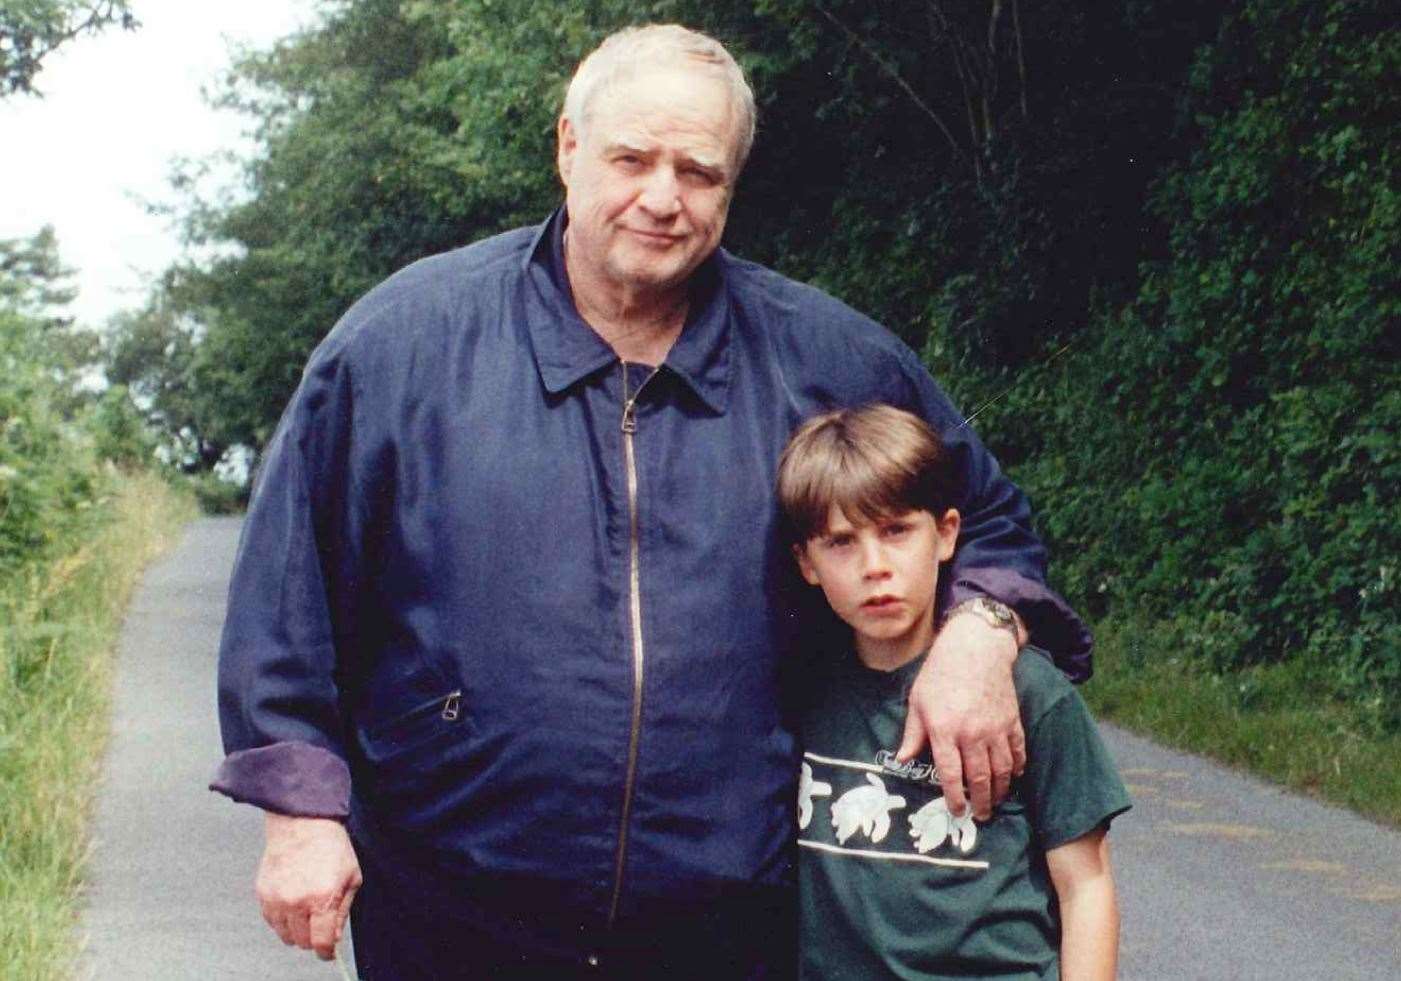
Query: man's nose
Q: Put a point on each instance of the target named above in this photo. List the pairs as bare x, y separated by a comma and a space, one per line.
661, 194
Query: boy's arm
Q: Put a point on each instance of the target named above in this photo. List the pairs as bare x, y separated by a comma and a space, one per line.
1089, 909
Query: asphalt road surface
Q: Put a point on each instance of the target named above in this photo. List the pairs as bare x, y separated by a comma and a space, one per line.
1220, 876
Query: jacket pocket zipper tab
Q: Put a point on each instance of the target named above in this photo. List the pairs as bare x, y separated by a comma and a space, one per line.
452, 706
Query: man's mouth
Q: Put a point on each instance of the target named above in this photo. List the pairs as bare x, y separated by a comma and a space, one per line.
659, 238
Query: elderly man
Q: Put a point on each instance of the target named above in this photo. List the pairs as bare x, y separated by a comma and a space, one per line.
508, 620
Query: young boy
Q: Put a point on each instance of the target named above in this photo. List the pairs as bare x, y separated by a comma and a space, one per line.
891, 883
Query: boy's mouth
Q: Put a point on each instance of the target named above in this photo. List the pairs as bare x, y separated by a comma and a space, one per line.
879, 602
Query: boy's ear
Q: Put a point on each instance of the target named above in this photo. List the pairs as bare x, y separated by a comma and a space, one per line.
948, 527
800, 555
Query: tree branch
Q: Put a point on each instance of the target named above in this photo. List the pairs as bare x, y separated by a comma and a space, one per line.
896, 77
1021, 54
939, 26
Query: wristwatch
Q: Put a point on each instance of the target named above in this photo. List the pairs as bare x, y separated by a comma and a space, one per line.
992, 612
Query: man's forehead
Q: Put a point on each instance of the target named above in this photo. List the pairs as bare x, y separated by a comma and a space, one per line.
691, 108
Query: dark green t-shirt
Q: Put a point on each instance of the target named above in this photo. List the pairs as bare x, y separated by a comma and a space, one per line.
891, 885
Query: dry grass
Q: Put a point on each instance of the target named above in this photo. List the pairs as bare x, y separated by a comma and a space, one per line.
58, 628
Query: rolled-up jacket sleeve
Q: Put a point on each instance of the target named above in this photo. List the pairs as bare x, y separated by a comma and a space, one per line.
999, 555
1048, 617
278, 701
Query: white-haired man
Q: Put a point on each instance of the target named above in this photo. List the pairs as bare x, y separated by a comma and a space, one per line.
509, 613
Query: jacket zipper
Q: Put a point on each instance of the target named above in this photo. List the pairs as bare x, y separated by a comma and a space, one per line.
629, 427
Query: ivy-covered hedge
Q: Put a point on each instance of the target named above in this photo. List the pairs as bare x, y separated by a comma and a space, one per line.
1222, 454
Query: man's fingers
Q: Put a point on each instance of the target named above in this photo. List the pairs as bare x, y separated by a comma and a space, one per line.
977, 774
324, 930
1000, 756
276, 919
299, 926
343, 911
950, 770
320, 929
1016, 740
914, 739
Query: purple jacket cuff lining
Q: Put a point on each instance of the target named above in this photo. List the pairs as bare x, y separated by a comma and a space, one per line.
293, 778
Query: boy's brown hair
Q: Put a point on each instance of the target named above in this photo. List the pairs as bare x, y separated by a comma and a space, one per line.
871, 462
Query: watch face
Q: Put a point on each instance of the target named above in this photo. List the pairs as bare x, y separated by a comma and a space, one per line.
999, 612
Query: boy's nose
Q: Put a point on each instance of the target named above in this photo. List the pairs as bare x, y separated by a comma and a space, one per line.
873, 562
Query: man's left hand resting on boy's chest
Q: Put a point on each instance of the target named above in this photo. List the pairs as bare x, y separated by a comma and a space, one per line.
963, 704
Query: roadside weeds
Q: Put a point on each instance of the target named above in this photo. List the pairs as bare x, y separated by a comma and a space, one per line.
59, 622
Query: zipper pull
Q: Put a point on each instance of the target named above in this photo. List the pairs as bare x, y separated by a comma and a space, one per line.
452, 706
629, 412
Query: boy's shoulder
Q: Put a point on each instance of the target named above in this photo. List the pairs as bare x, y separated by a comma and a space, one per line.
839, 686
1071, 784
1039, 684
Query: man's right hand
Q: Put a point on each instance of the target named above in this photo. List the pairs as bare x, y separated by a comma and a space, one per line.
306, 881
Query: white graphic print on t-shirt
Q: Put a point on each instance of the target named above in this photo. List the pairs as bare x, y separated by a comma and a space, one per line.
864, 807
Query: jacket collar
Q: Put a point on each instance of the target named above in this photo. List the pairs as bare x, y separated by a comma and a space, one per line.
567, 349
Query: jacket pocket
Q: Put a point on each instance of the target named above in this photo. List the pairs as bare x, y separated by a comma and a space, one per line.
415, 728
419, 765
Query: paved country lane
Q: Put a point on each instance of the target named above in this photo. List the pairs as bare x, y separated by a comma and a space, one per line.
1225, 877
1221, 876
171, 877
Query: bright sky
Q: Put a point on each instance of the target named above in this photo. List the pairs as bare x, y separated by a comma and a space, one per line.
118, 107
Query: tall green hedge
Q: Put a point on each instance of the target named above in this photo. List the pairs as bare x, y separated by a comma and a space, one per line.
1221, 455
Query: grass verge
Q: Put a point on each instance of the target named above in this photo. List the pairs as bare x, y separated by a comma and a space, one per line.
59, 621
1277, 721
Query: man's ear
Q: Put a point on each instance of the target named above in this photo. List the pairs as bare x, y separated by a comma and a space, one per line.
568, 138
800, 555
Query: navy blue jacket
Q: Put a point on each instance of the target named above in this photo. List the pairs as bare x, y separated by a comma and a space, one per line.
496, 616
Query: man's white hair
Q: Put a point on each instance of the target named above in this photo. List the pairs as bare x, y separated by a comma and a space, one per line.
659, 45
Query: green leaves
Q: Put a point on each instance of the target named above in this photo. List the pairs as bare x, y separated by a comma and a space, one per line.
1238, 486
31, 30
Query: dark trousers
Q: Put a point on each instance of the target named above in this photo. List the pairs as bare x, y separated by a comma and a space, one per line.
414, 931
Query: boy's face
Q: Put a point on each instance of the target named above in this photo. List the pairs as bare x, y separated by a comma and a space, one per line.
880, 578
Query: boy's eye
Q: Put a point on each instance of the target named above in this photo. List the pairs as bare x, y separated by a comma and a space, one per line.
839, 541
895, 528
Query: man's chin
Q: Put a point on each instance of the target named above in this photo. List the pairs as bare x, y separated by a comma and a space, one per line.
655, 278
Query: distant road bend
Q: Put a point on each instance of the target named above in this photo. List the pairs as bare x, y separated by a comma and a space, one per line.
1220, 876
